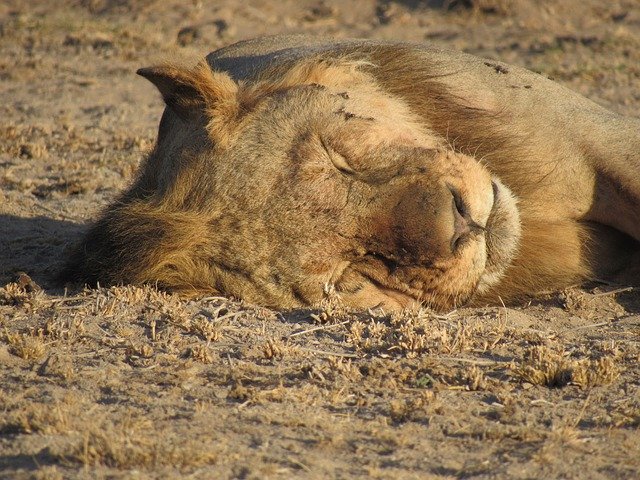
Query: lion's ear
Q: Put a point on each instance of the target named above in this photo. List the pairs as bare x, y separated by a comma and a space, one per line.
176, 89
193, 92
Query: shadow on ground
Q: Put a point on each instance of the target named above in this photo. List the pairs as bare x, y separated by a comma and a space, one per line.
35, 246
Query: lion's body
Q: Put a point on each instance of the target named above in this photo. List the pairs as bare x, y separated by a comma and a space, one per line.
304, 167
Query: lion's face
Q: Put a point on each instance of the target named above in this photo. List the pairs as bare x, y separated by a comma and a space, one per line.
335, 188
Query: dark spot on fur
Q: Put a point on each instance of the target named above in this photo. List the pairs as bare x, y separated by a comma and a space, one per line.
344, 95
349, 115
497, 68
345, 114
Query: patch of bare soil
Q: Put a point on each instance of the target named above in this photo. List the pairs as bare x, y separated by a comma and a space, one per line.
130, 382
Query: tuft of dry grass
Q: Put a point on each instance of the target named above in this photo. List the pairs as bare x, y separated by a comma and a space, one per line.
207, 329
273, 348
406, 409
64, 329
131, 442
24, 292
27, 347
139, 349
200, 353
591, 373
553, 368
475, 378
543, 366
414, 333
38, 418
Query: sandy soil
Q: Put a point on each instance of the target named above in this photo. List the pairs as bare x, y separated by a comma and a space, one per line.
134, 383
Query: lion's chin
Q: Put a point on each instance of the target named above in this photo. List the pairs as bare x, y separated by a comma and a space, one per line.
503, 234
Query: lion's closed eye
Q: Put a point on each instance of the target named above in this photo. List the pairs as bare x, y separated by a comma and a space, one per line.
339, 161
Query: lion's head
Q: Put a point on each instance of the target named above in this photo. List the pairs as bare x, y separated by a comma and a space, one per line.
282, 191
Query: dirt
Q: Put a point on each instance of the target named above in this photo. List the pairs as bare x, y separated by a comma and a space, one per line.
129, 382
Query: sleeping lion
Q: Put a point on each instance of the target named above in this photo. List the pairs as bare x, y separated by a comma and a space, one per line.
391, 175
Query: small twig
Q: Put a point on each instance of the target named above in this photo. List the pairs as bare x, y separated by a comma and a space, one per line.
329, 354
299, 464
502, 303
94, 352
613, 292
229, 315
57, 214
211, 299
487, 363
604, 282
541, 400
582, 410
69, 307
445, 316
67, 299
583, 327
315, 329
219, 345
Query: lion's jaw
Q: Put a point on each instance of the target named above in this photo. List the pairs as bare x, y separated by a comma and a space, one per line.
394, 282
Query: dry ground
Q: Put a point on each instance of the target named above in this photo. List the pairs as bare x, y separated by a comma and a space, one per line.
134, 383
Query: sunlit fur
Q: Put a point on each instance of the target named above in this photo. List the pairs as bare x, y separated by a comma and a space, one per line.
332, 174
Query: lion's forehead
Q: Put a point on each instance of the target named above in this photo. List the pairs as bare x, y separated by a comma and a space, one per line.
393, 120
355, 93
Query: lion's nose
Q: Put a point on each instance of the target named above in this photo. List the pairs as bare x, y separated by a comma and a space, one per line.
461, 230
463, 224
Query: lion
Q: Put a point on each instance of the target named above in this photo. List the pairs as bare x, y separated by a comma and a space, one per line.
290, 169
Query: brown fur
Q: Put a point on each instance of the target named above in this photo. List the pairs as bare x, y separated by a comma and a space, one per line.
334, 173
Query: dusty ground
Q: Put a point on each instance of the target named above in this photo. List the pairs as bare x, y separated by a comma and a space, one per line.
133, 383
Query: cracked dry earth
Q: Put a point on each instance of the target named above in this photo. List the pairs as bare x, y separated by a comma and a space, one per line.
129, 382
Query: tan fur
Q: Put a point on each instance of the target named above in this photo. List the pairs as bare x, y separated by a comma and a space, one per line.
351, 169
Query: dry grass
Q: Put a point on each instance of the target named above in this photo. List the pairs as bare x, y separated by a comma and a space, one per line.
15, 294
492, 7
553, 368
37, 418
411, 369
27, 347
128, 382
131, 442
413, 333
